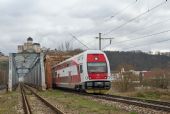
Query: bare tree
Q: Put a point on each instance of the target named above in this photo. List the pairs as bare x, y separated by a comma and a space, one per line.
65, 46
68, 46
60, 47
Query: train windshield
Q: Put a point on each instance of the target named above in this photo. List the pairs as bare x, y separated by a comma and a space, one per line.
97, 67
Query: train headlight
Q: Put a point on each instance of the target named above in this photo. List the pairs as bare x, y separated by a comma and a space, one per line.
96, 58
110, 77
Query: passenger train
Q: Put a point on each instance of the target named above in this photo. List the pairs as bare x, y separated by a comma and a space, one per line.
88, 71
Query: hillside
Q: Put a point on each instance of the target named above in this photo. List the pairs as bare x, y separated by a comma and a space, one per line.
137, 60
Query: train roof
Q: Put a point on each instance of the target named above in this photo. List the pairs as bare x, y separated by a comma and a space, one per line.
85, 52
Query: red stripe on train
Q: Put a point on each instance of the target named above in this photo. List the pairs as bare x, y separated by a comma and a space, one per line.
98, 76
96, 58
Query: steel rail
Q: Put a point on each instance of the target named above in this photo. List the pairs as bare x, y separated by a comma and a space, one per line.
56, 110
26, 105
153, 105
143, 100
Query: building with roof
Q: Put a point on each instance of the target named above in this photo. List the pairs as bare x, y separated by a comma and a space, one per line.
29, 46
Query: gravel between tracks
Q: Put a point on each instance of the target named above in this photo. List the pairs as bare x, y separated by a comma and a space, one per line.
37, 106
20, 104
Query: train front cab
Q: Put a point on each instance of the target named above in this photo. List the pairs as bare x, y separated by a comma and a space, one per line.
98, 71
100, 87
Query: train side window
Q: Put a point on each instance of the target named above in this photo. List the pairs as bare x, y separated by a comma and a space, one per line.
81, 68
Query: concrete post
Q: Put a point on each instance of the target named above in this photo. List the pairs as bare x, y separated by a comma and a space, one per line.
43, 85
10, 72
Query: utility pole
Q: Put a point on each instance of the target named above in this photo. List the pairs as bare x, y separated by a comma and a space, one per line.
100, 34
100, 38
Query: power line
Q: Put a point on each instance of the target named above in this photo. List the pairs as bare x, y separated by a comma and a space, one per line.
160, 4
141, 37
146, 27
148, 44
150, 26
92, 43
79, 41
119, 12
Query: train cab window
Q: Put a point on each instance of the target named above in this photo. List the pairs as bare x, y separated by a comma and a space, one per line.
81, 68
97, 67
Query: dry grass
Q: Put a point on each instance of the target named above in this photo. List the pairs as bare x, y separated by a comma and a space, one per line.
155, 94
8, 103
76, 104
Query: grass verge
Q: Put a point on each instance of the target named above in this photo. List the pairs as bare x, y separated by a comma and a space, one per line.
154, 94
77, 104
8, 103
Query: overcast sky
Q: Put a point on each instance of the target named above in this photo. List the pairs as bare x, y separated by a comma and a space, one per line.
50, 23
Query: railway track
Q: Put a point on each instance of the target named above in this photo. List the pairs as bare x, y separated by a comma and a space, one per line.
26, 105
156, 105
143, 100
33, 103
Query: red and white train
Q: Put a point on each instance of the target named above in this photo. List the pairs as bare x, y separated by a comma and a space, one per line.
88, 71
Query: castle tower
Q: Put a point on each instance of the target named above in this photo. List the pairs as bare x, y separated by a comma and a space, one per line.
29, 46
29, 40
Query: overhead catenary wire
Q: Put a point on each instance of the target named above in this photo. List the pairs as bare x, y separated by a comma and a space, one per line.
121, 11
161, 41
140, 15
165, 31
150, 26
118, 13
79, 40
92, 43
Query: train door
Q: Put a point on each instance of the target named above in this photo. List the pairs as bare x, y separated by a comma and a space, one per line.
81, 70
81, 74
70, 77
58, 77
